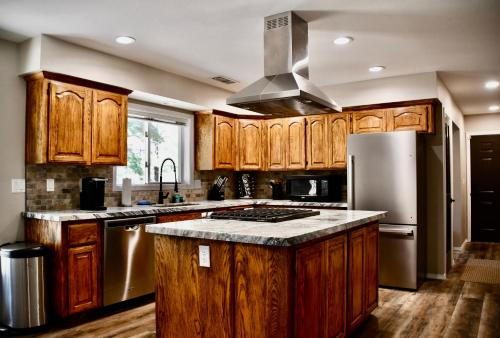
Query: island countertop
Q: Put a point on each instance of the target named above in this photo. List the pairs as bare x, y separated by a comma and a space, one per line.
287, 233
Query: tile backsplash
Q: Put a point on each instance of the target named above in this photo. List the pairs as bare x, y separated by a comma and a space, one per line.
67, 186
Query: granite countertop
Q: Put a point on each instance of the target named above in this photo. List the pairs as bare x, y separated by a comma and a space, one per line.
113, 212
287, 233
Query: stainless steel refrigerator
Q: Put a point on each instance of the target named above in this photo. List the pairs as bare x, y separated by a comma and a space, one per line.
386, 171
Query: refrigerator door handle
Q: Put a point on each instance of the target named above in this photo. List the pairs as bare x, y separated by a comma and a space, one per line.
404, 232
350, 182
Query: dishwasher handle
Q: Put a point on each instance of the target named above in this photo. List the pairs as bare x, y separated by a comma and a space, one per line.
403, 232
129, 223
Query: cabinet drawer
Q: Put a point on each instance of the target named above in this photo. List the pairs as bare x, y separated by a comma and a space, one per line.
178, 217
83, 233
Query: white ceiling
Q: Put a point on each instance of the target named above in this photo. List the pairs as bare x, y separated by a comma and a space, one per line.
200, 39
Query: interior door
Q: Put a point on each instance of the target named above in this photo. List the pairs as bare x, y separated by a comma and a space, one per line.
449, 199
485, 187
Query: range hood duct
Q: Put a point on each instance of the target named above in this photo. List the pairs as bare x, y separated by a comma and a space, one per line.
285, 89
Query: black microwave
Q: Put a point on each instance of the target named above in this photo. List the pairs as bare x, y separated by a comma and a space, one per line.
327, 188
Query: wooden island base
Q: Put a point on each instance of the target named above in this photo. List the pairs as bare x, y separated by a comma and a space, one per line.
323, 288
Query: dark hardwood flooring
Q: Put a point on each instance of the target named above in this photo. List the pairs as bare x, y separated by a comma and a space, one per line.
448, 308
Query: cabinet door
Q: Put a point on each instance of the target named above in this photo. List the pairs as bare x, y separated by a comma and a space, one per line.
109, 128
336, 253
356, 287
83, 278
317, 142
295, 143
309, 293
249, 145
224, 152
408, 118
276, 144
337, 131
370, 121
69, 123
371, 267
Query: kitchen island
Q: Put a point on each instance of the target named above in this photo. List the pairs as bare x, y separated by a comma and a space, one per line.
309, 277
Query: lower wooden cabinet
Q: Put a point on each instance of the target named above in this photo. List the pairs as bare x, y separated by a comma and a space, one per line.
362, 275
83, 288
177, 217
321, 271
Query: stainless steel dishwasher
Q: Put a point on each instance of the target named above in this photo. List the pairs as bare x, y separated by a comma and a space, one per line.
128, 259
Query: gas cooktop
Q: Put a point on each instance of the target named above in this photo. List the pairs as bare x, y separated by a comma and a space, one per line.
265, 214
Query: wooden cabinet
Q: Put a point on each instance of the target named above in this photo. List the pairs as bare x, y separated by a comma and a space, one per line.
225, 142
82, 278
418, 118
109, 128
275, 145
71, 120
369, 121
69, 129
75, 274
321, 271
338, 127
317, 142
177, 217
295, 143
249, 148
363, 274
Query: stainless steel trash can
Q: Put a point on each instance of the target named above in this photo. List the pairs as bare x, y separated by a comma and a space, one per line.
23, 287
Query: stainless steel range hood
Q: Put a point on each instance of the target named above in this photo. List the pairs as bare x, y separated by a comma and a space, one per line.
285, 89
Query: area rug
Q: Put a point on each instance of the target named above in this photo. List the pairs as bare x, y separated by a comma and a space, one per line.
482, 271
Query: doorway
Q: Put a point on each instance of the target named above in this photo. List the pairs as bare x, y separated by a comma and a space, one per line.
448, 196
459, 229
485, 188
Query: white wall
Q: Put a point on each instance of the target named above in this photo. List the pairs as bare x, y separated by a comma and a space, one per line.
12, 120
67, 58
483, 122
383, 90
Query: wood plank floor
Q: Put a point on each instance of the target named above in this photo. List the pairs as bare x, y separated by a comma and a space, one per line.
448, 308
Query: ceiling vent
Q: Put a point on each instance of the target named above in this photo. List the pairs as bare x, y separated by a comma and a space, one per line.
224, 80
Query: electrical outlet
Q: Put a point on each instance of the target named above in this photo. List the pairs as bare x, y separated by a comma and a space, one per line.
18, 185
204, 255
50, 184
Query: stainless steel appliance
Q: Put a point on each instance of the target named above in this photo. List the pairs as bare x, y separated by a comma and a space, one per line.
23, 288
386, 171
128, 259
265, 214
314, 187
92, 194
285, 89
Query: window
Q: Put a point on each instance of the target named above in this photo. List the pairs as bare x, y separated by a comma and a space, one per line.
151, 139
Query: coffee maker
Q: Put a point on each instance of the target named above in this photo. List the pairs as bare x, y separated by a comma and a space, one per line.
92, 193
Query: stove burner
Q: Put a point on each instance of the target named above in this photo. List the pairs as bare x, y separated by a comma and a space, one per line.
265, 214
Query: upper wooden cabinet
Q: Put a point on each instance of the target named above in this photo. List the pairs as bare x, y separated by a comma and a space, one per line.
317, 142
69, 128
338, 128
71, 120
295, 143
275, 144
109, 128
215, 139
369, 121
418, 118
249, 144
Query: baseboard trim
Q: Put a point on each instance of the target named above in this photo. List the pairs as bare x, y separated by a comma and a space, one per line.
440, 276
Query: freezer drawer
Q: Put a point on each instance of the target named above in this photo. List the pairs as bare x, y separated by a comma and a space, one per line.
399, 256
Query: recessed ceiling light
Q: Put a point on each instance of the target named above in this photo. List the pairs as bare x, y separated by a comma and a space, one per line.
125, 40
343, 40
375, 69
494, 108
491, 84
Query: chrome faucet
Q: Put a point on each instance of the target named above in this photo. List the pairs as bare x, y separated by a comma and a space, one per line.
161, 197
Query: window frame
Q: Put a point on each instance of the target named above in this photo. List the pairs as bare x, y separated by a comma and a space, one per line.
185, 167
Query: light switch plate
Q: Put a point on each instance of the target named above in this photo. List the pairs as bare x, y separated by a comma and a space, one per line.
18, 185
204, 255
50, 184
